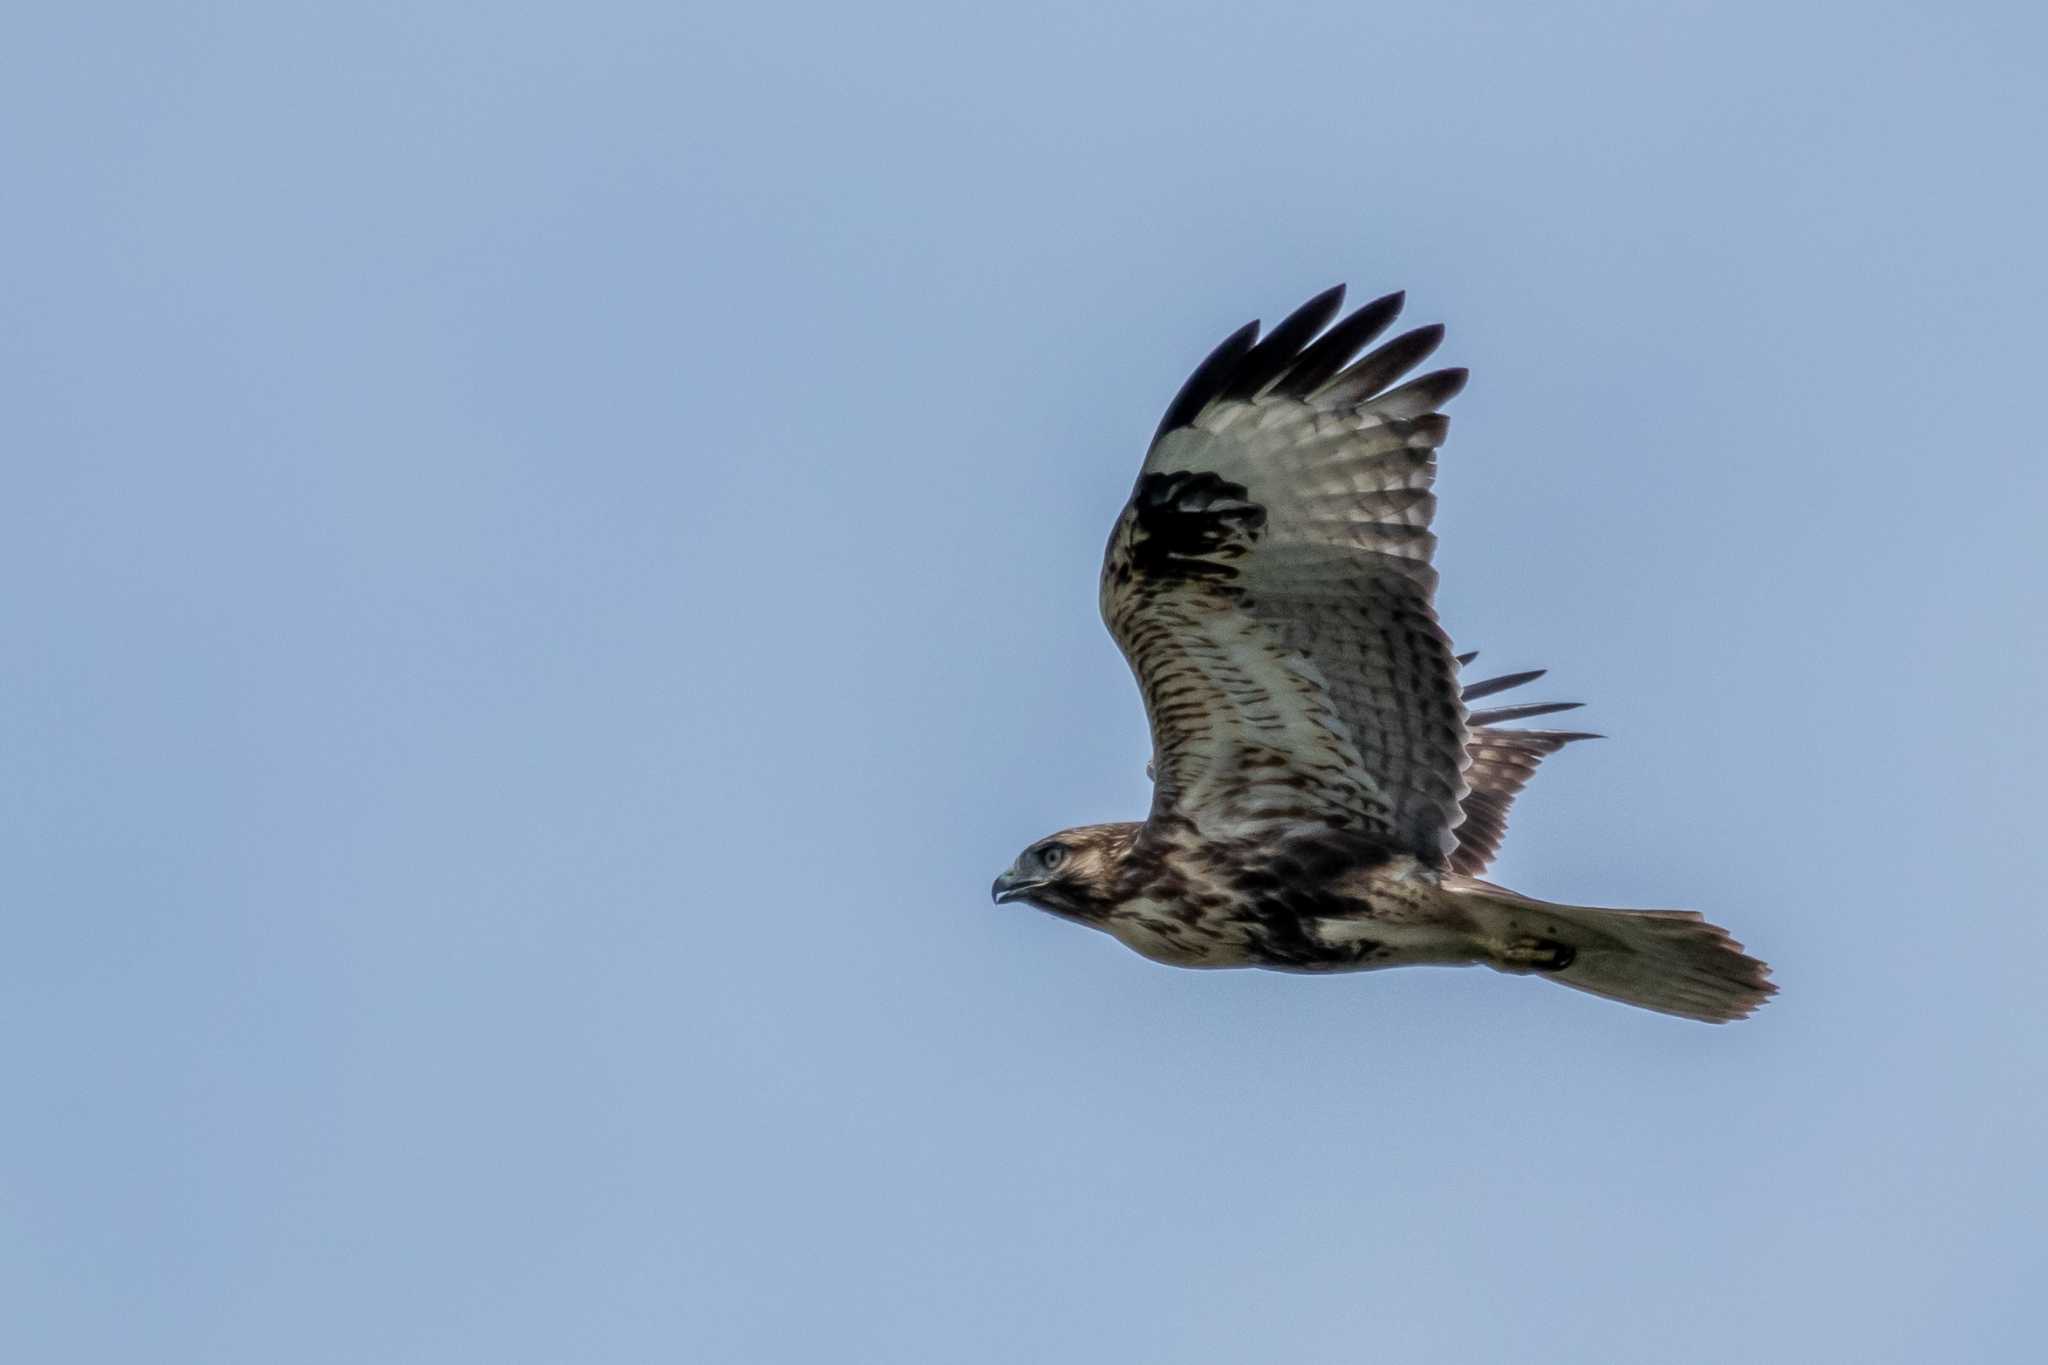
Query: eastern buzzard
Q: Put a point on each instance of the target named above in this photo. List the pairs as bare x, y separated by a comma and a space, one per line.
1323, 798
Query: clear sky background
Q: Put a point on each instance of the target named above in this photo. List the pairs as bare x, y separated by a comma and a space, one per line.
550, 554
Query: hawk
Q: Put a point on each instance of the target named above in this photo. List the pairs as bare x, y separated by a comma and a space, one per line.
1323, 795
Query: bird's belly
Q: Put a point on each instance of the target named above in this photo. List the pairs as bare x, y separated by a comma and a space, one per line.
1362, 942
1384, 917
1399, 918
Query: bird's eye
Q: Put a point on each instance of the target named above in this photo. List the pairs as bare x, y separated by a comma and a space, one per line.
1052, 855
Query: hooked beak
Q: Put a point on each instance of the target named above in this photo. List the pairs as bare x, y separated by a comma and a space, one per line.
1010, 886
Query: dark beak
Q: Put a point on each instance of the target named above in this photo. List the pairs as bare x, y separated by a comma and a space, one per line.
1009, 886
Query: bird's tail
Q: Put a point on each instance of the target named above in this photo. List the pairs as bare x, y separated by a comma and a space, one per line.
1671, 961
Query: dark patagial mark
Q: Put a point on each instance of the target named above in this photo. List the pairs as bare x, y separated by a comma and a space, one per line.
1185, 525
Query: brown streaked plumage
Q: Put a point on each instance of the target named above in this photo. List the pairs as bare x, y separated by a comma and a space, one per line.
1323, 797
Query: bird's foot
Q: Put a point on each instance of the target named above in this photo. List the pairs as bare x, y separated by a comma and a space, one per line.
1534, 955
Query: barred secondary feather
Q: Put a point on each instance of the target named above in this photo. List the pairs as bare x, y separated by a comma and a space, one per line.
1323, 795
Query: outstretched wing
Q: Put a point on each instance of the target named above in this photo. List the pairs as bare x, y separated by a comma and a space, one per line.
1270, 583
1501, 763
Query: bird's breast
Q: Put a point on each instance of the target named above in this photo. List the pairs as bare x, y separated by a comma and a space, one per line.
1180, 932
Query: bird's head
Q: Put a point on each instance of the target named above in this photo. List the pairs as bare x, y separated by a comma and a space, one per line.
1069, 873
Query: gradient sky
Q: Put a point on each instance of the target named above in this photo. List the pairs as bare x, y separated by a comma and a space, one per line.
550, 556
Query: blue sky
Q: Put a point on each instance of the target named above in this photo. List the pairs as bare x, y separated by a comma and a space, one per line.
551, 555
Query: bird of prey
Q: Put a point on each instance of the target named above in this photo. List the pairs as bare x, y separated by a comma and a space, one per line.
1323, 796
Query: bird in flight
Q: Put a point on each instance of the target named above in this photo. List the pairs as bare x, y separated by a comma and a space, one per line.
1324, 796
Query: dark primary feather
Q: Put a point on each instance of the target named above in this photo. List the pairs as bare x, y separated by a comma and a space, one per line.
1488, 686
1208, 379
1271, 358
1528, 711
1332, 351
1292, 360
1372, 373
1425, 393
